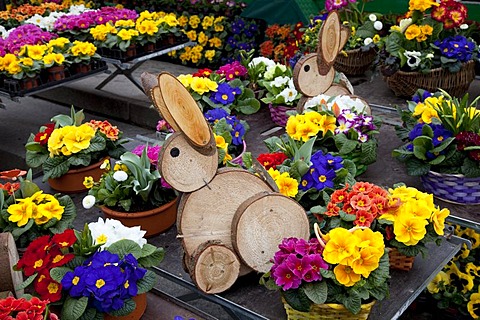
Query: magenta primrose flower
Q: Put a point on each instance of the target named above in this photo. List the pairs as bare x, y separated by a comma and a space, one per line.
297, 261
232, 70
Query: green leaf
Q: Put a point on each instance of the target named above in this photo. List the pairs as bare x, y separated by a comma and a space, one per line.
317, 292
27, 282
80, 159
91, 314
153, 259
35, 160
147, 282
297, 299
17, 232
417, 167
124, 247
74, 308
353, 303
58, 273
128, 306
55, 167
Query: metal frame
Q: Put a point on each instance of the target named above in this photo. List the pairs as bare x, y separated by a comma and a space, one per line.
127, 68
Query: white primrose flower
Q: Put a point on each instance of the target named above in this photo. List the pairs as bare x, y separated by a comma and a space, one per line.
464, 26
258, 60
378, 25
120, 175
404, 23
288, 94
315, 101
88, 202
110, 231
367, 41
372, 17
280, 82
413, 58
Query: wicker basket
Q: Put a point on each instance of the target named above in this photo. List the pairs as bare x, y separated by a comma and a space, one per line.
454, 188
329, 311
405, 84
355, 62
399, 261
279, 114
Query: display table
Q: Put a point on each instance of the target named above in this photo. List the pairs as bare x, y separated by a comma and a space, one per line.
126, 68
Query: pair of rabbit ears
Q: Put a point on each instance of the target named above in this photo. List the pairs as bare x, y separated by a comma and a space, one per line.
177, 106
314, 73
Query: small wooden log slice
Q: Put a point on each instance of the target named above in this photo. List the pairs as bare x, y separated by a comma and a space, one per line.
183, 167
214, 267
207, 213
329, 38
184, 110
344, 35
337, 90
306, 78
261, 223
9, 279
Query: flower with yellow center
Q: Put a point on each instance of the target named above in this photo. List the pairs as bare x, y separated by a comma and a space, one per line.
194, 21
341, 246
438, 219
220, 142
474, 304
274, 173
367, 261
345, 275
287, 185
210, 55
409, 230
20, 212
171, 20
124, 23
88, 182
421, 5
207, 22
36, 52
412, 32
47, 211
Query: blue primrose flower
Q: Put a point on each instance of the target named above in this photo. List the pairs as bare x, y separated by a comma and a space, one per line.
440, 134
421, 95
104, 282
108, 304
214, 115
224, 94
74, 282
416, 131
323, 178
237, 134
102, 258
456, 47
327, 161
307, 181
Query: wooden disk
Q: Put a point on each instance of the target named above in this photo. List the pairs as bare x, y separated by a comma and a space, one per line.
329, 38
184, 110
207, 213
337, 90
306, 78
214, 267
183, 167
148, 80
157, 99
9, 279
261, 223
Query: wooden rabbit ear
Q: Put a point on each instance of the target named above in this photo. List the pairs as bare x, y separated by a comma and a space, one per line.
329, 38
156, 97
184, 111
308, 80
344, 35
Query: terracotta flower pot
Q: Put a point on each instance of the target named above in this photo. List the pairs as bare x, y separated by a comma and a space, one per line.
82, 67
56, 73
153, 221
141, 306
72, 181
29, 83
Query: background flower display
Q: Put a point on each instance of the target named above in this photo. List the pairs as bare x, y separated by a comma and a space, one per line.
441, 135
431, 35
334, 269
281, 42
455, 290
90, 281
28, 213
342, 124
278, 83
226, 88
133, 184
68, 142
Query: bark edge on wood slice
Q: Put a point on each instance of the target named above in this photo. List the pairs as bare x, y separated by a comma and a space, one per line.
214, 267
261, 223
10, 279
329, 39
207, 213
183, 167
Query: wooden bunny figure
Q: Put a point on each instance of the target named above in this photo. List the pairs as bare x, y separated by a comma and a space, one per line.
230, 220
314, 74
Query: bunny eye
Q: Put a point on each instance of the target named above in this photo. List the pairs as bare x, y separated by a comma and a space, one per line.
306, 68
174, 152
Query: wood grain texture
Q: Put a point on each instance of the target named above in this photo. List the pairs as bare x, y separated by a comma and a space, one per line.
184, 110
328, 47
9, 279
308, 80
183, 167
159, 104
207, 213
214, 267
261, 223
344, 35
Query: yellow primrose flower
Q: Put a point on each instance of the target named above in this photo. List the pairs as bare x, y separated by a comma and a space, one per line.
369, 238
171, 20
202, 39
47, 211
341, 246
220, 142
215, 42
291, 127
78, 138
124, 35
182, 21
37, 197
421, 5
440, 280
20, 212
412, 32
345, 275
327, 123
202, 85
124, 23
192, 35
409, 230
438, 219
147, 27
306, 130
36, 52
88, 182
185, 79
286, 185
227, 157
209, 55
366, 262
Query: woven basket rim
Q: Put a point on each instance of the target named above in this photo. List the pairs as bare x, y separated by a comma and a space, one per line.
430, 71
335, 305
453, 175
